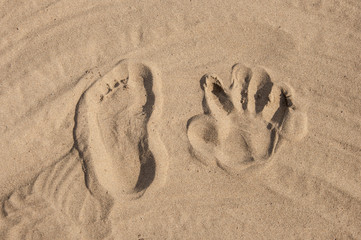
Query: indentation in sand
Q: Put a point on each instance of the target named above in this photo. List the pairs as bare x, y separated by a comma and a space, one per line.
243, 125
111, 161
111, 131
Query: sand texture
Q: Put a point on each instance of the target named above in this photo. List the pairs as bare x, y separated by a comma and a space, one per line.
180, 119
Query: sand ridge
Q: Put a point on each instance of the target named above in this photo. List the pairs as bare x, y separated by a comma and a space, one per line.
94, 147
81, 186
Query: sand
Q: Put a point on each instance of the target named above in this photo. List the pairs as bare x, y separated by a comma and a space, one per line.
180, 119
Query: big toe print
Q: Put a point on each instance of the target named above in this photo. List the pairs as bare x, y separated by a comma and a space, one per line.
243, 125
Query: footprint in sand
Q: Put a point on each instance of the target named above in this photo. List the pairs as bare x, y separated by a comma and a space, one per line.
113, 149
111, 131
243, 125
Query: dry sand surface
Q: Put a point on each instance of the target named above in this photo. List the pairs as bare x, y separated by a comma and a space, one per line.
180, 119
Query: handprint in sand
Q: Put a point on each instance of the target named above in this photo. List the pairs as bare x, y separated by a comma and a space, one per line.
243, 125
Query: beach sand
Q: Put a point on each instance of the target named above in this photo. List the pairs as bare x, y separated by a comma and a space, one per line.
180, 119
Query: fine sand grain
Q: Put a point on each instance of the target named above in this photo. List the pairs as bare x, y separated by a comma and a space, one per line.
180, 119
